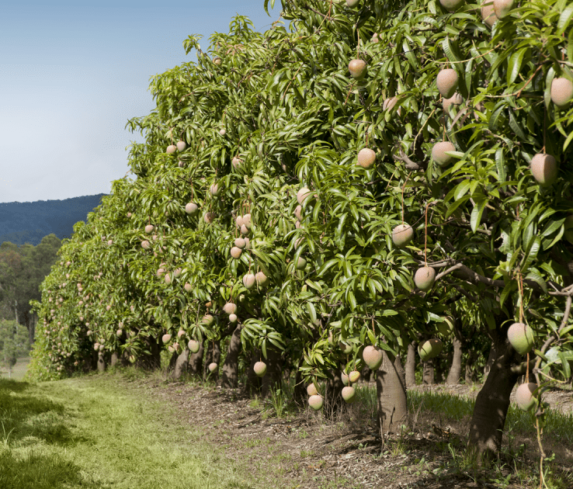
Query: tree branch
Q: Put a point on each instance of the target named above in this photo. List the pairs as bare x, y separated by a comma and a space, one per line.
457, 266
410, 165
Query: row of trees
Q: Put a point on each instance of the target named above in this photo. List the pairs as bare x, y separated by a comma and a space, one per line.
14, 344
22, 270
314, 193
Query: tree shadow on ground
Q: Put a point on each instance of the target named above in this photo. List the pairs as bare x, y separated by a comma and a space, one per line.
28, 416
40, 472
9, 385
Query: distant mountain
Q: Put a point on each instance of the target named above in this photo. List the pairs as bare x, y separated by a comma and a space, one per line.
29, 222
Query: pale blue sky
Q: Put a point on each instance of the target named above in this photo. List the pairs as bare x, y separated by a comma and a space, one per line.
72, 72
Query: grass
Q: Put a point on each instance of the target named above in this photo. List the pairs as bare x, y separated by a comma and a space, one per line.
520, 430
559, 425
90, 433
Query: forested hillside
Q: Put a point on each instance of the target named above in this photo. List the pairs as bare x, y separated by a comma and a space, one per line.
29, 222
22, 270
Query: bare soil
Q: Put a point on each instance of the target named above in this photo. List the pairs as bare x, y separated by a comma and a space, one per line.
306, 450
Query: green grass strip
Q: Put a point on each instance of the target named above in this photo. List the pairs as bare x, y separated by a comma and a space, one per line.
91, 433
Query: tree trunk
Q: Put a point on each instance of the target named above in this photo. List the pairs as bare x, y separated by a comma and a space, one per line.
125, 359
196, 361
213, 356
492, 402
428, 373
300, 396
411, 365
100, 362
456, 368
230, 378
151, 360
172, 361
272, 379
333, 401
181, 364
400, 369
490, 359
391, 393
438, 371
32, 328
469, 375
114, 359
207, 360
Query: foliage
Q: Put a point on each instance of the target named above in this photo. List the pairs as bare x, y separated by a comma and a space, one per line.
13, 343
22, 270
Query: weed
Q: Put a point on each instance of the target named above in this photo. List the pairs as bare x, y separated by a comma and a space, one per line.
279, 402
253, 443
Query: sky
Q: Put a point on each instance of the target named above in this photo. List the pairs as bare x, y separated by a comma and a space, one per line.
72, 72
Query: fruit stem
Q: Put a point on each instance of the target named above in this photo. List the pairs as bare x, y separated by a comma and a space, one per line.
544, 127
348, 94
373, 330
521, 315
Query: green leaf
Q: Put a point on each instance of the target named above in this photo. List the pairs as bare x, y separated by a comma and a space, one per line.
514, 65
538, 279
509, 287
539, 354
514, 124
264, 348
564, 20
372, 338
311, 311
566, 330
494, 119
326, 266
449, 50
477, 213
452, 208
556, 239
461, 189
500, 164
565, 365
570, 46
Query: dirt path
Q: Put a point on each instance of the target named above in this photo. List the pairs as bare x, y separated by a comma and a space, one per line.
311, 452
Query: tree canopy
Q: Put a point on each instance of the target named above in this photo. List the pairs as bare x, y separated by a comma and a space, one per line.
22, 270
